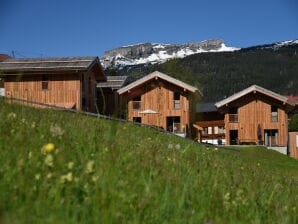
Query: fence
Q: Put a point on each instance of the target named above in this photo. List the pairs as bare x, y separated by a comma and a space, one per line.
44, 105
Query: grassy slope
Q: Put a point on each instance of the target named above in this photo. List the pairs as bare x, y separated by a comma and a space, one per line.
139, 175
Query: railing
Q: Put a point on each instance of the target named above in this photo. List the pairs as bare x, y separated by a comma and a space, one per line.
38, 104
178, 128
177, 104
233, 118
136, 105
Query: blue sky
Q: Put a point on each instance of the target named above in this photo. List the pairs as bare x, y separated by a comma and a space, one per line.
34, 28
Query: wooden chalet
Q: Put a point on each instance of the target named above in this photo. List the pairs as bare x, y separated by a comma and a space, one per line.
160, 100
107, 96
252, 116
68, 82
256, 116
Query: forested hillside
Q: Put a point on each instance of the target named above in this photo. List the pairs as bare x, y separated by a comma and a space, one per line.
219, 75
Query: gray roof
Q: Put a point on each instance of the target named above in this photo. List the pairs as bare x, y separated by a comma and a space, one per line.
47, 64
114, 82
205, 107
160, 75
254, 88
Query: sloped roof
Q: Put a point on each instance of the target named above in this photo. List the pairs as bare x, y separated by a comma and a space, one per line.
12, 65
293, 98
4, 57
114, 82
160, 75
254, 88
205, 107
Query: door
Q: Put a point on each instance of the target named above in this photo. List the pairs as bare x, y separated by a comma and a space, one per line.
173, 124
271, 137
234, 137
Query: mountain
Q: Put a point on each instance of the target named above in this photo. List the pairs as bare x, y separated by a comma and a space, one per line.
218, 75
157, 53
275, 46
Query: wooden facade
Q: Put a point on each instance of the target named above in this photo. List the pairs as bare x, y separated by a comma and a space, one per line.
256, 116
160, 101
65, 82
293, 144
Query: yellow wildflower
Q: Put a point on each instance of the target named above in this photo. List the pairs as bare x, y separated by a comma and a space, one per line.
47, 148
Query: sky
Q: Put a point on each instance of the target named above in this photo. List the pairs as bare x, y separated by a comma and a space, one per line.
50, 28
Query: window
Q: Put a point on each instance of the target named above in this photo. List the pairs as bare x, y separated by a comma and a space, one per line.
45, 83
2, 91
209, 130
1, 83
137, 119
205, 131
221, 130
216, 130
136, 103
177, 105
274, 114
233, 115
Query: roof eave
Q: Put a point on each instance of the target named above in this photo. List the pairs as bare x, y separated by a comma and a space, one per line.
161, 76
250, 89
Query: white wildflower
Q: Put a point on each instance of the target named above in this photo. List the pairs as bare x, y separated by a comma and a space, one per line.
11, 115
56, 130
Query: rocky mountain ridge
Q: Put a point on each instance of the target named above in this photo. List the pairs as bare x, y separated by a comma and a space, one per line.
145, 53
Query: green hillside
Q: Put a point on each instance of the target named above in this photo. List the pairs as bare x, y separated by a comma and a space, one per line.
219, 75
100, 171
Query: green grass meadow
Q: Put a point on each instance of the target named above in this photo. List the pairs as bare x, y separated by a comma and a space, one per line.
103, 171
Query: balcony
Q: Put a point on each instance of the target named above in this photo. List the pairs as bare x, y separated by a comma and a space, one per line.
233, 118
136, 105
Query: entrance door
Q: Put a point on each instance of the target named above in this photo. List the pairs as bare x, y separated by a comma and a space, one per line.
173, 124
234, 137
271, 137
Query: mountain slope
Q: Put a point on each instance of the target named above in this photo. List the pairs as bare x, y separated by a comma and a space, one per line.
221, 74
158, 53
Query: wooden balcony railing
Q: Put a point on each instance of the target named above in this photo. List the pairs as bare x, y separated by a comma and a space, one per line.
177, 128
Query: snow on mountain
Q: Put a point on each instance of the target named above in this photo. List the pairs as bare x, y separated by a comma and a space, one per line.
157, 53
277, 45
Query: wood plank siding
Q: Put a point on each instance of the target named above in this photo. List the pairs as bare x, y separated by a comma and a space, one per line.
254, 119
293, 144
63, 89
161, 101
67, 82
159, 97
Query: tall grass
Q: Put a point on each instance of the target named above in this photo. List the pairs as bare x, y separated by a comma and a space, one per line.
108, 172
